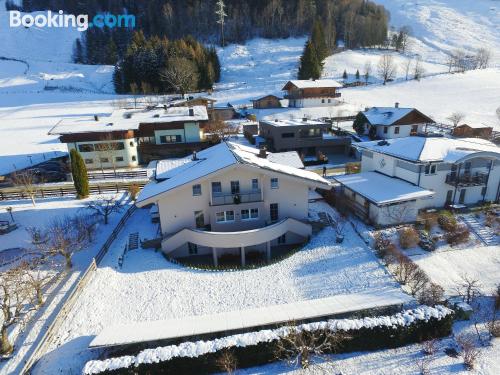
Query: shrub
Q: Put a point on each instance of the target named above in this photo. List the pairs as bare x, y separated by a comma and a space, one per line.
430, 220
133, 191
447, 221
381, 244
468, 350
459, 235
431, 295
79, 173
408, 237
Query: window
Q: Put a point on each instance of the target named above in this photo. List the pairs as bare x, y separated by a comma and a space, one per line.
104, 160
235, 187
461, 199
483, 191
273, 210
193, 248
396, 130
386, 129
322, 100
196, 189
430, 169
224, 216
216, 188
199, 219
119, 158
414, 130
109, 146
282, 239
89, 161
274, 183
467, 167
249, 214
329, 100
449, 196
288, 135
134, 158
88, 147
131, 143
255, 184
170, 138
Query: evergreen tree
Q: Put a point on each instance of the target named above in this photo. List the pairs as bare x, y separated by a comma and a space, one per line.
318, 39
344, 75
359, 123
357, 75
111, 52
310, 67
79, 173
78, 56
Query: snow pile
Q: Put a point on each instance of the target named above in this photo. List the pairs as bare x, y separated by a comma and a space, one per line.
198, 348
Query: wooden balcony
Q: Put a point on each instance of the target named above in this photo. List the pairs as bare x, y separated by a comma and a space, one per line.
312, 95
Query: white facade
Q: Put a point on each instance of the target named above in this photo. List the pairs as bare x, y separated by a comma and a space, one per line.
312, 102
396, 131
117, 153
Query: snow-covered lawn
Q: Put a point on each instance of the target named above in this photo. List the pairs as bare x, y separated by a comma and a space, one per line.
150, 288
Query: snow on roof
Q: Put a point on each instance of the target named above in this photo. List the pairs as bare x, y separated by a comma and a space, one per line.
381, 189
475, 125
292, 122
385, 115
290, 158
129, 119
426, 149
319, 83
216, 158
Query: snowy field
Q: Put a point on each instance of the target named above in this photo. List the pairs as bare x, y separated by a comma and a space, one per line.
150, 288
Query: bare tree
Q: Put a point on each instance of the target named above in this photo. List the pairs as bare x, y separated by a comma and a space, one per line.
456, 118
386, 68
181, 74
86, 226
423, 366
107, 151
14, 295
399, 213
418, 69
431, 295
468, 350
404, 36
299, 348
482, 58
227, 361
221, 14
27, 180
104, 207
367, 70
36, 277
63, 238
406, 65
468, 288
219, 130
429, 347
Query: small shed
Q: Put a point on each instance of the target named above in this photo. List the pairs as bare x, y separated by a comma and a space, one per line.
472, 131
268, 101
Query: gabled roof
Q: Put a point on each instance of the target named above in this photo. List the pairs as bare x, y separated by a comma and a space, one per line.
381, 189
385, 116
309, 83
122, 120
265, 97
217, 158
427, 149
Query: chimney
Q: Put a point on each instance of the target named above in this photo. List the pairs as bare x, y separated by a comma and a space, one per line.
191, 112
195, 157
165, 107
367, 109
396, 104
96, 118
262, 152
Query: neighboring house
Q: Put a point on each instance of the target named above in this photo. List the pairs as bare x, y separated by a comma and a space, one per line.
308, 137
309, 93
268, 101
129, 137
225, 113
473, 131
393, 122
401, 176
230, 198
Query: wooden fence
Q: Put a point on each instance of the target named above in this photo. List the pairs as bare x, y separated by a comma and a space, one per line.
97, 175
66, 189
70, 301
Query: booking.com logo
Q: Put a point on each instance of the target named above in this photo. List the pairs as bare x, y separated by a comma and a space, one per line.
80, 21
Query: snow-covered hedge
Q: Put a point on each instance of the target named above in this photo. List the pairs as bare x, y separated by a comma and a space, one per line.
257, 348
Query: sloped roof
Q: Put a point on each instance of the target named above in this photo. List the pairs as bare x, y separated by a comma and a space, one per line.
427, 149
309, 83
122, 120
381, 189
385, 115
290, 158
265, 97
214, 159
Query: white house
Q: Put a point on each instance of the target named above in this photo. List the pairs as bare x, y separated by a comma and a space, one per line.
312, 93
230, 198
401, 176
393, 122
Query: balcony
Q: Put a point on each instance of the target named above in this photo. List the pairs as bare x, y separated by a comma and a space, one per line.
467, 179
311, 95
222, 199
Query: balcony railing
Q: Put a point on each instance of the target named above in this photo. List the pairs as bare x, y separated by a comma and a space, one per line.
467, 179
221, 199
312, 95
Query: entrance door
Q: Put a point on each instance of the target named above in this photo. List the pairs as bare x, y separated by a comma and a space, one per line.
461, 200
449, 197
199, 219
274, 213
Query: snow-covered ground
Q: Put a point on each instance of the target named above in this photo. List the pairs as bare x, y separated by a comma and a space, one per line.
150, 288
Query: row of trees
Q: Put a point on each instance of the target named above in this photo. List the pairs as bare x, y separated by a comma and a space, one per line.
157, 65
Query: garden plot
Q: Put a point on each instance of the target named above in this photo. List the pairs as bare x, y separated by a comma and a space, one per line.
149, 288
